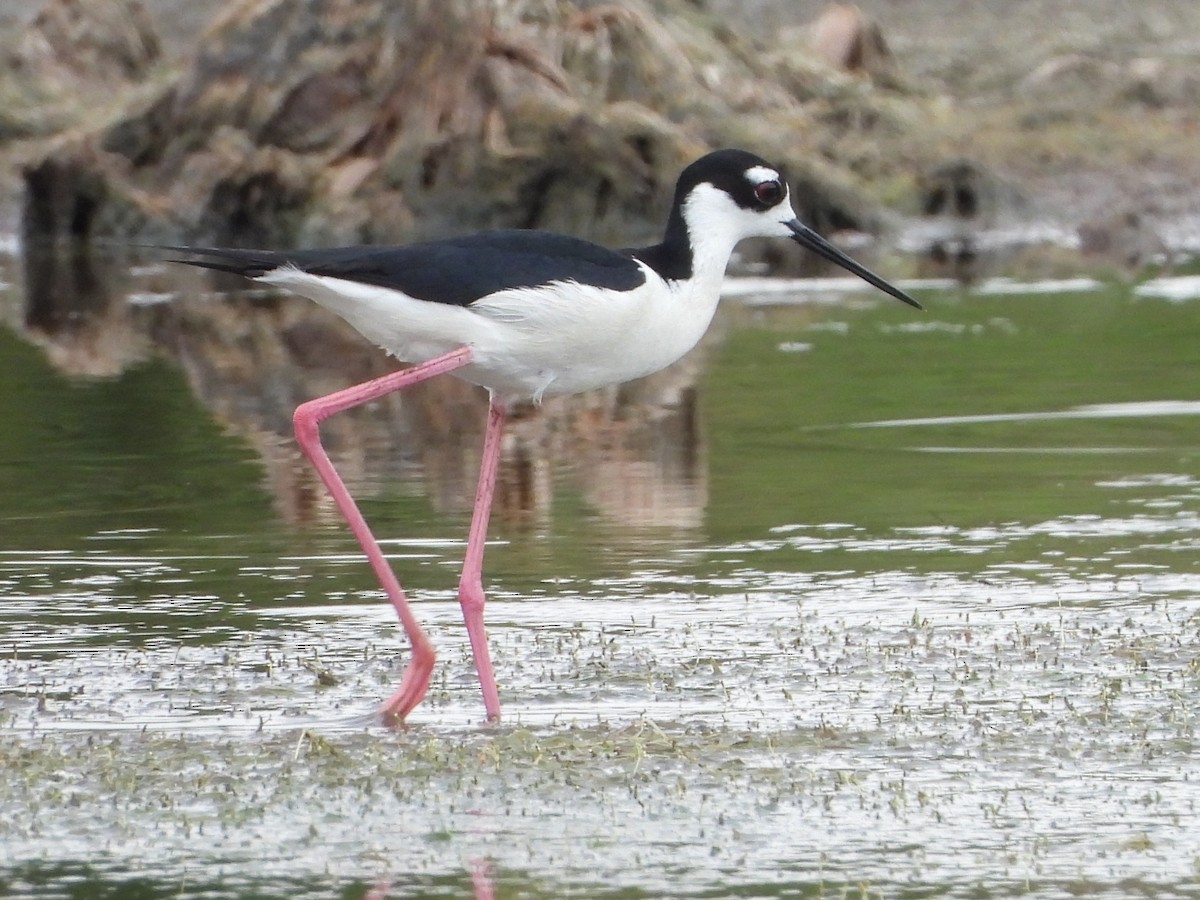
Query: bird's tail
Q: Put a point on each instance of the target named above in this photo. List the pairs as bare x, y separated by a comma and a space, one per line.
248, 263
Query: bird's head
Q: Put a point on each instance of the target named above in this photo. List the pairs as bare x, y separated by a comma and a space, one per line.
728, 195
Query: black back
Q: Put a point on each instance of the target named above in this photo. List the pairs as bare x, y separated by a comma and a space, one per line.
458, 271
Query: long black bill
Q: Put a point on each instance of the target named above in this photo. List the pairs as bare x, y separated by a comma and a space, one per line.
806, 237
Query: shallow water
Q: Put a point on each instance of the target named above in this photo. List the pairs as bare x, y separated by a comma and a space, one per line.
855, 601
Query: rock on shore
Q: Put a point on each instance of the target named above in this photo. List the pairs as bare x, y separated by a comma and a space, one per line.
322, 121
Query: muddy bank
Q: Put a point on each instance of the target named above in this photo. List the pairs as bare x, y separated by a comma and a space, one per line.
1084, 107
1082, 115
313, 122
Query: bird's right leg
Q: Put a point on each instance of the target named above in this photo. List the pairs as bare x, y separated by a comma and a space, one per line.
307, 421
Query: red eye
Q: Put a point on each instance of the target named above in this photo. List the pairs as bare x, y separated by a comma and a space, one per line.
768, 193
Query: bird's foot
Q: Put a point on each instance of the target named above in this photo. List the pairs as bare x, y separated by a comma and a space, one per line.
413, 685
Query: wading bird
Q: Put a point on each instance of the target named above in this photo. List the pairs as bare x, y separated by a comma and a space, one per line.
525, 314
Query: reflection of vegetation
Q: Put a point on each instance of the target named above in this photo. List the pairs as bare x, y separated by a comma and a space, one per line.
767, 683
781, 456
133, 452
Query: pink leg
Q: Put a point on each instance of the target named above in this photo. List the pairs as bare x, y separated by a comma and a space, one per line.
470, 586
307, 420
481, 879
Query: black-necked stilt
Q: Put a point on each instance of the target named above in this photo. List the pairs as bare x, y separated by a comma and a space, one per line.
526, 314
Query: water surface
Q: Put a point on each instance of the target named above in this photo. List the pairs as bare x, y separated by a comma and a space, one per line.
853, 601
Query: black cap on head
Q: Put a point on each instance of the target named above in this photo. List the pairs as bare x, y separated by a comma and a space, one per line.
727, 170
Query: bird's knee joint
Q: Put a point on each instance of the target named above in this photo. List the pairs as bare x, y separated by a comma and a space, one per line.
306, 421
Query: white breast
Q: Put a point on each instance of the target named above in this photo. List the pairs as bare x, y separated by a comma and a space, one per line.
565, 338
558, 339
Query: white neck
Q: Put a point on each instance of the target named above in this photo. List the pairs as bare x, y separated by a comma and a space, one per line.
714, 229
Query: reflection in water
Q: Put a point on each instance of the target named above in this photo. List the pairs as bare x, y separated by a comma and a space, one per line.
1175, 289
251, 358
69, 311
481, 879
481, 883
965, 673
1140, 410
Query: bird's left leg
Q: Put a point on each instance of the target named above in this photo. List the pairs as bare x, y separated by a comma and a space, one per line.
307, 420
470, 586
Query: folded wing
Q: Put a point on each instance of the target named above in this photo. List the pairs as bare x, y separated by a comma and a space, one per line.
457, 271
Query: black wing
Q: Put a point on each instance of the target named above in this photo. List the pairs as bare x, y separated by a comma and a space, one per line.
457, 271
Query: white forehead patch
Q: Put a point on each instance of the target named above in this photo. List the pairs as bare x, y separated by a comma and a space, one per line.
759, 174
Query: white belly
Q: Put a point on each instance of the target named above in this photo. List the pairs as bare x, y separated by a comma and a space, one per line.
558, 339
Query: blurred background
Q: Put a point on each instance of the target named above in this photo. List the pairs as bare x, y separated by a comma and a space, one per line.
849, 599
